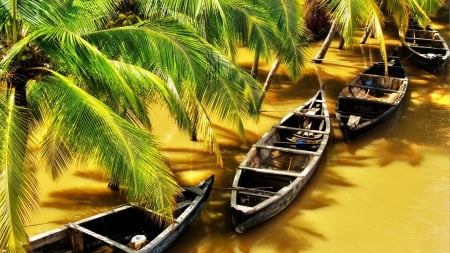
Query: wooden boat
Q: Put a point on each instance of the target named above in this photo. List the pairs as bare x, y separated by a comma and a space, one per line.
370, 98
278, 166
426, 48
127, 228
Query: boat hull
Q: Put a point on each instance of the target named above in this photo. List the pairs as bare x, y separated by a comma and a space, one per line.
279, 165
370, 98
426, 48
114, 230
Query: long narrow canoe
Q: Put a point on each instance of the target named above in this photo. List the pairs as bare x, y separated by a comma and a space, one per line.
426, 48
278, 166
127, 228
371, 98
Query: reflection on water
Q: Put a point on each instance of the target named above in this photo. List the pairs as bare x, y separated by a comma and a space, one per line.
384, 192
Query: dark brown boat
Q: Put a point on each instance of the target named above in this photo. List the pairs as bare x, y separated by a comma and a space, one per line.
426, 48
279, 165
370, 98
127, 228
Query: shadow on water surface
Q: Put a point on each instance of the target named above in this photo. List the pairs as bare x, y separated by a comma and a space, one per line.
289, 227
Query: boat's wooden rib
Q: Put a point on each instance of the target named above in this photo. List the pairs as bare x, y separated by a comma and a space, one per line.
271, 171
370, 98
309, 115
375, 88
288, 150
426, 47
116, 230
301, 129
282, 161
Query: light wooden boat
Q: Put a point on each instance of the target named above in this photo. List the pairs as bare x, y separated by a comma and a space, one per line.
127, 228
370, 98
279, 165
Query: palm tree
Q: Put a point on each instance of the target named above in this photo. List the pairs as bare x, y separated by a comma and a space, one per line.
89, 88
217, 90
403, 11
347, 16
268, 28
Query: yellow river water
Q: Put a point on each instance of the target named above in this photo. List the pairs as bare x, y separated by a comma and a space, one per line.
385, 192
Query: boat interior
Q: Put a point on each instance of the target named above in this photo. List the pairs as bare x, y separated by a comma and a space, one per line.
377, 88
258, 186
427, 42
115, 227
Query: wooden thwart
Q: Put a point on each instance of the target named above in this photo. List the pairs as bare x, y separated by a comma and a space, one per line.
301, 129
422, 39
373, 88
309, 115
279, 172
288, 150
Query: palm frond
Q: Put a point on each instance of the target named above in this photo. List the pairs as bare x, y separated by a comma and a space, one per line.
376, 19
18, 185
183, 56
127, 153
96, 70
294, 33
345, 13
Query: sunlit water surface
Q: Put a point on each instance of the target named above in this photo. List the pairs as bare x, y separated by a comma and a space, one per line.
385, 192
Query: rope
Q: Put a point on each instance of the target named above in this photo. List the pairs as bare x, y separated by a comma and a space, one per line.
54, 221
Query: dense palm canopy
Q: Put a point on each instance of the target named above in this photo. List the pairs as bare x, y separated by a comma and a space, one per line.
268, 28
70, 69
351, 15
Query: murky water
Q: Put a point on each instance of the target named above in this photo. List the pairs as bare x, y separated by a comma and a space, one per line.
385, 192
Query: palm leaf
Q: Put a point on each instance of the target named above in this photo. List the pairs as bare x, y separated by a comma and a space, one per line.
93, 130
93, 67
18, 185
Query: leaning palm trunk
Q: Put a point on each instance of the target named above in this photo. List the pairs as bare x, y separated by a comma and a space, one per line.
369, 29
194, 126
366, 35
254, 70
326, 44
341, 43
269, 77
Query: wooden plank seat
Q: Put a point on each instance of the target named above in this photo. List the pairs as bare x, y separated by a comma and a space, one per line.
287, 173
303, 146
288, 150
422, 39
301, 129
309, 115
255, 192
364, 100
426, 47
373, 88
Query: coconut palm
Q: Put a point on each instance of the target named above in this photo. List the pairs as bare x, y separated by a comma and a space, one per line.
268, 28
402, 11
202, 107
347, 16
87, 84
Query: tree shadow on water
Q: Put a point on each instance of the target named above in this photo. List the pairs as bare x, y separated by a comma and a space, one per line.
80, 198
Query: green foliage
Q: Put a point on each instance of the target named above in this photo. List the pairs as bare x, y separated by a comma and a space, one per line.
90, 83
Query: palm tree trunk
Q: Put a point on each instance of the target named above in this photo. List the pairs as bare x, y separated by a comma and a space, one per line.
194, 126
254, 70
341, 43
269, 77
366, 35
368, 30
326, 44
